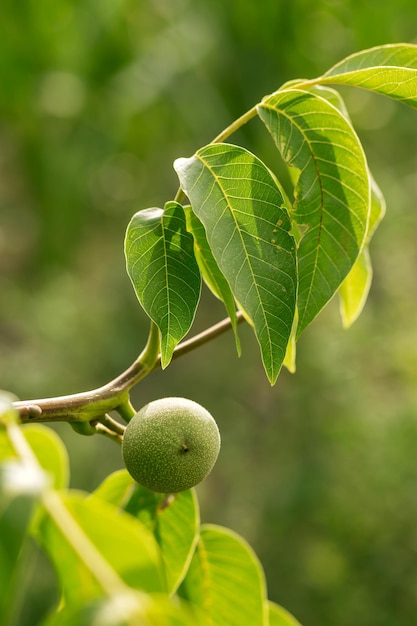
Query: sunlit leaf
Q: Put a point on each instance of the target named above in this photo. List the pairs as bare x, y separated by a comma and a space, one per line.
210, 270
378, 208
225, 580
390, 70
332, 195
354, 290
164, 272
124, 543
278, 616
239, 203
173, 519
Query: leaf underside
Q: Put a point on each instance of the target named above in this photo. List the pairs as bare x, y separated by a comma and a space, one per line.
226, 580
164, 272
332, 193
239, 203
390, 70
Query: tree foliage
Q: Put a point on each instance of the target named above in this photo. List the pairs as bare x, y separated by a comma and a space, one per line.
125, 555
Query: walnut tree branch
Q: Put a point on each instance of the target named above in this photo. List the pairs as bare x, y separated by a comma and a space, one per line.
114, 395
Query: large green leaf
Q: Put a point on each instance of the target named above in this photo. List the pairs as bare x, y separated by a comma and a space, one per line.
239, 203
210, 271
332, 194
278, 616
174, 520
164, 272
124, 543
225, 580
390, 70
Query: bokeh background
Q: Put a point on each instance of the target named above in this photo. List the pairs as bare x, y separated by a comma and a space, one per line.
97, 99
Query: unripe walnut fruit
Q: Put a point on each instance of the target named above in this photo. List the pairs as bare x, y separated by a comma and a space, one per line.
170, 445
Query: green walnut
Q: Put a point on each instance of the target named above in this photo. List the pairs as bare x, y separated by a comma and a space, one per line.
170, 445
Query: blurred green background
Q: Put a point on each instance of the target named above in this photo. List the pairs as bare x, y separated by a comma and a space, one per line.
97, 99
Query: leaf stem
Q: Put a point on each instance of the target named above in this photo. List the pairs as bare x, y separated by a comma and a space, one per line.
112, 425
234, 126
126, 411
101, 429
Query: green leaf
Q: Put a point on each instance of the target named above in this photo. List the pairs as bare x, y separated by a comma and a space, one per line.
210, 271
332, 195
124, 543
50, 452
390, 70
116, 488
378, 208
354, 290
176, 528
164, 272
225, 580
278, 616
174, 520
239, 203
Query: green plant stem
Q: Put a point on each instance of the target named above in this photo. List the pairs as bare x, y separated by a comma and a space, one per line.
126, 411
234, 126
112, 424
103, 430
114, 396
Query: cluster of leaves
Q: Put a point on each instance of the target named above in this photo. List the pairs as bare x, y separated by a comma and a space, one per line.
278, 259
123, 555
